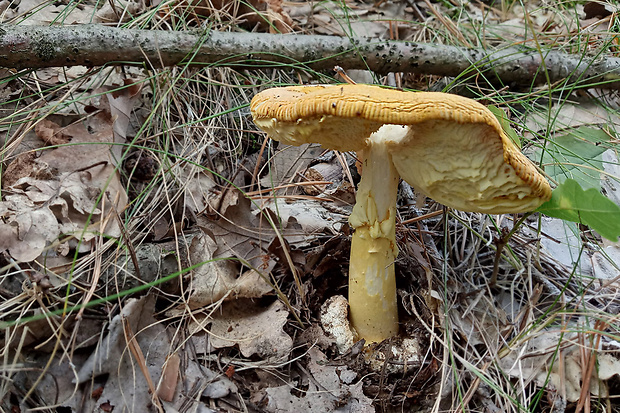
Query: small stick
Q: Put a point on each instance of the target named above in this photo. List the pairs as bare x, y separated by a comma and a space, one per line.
500, 243
340, 71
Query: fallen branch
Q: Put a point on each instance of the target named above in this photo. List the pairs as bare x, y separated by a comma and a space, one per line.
24, 47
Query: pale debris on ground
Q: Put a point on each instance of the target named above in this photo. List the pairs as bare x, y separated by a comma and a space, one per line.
537, 359
329, 389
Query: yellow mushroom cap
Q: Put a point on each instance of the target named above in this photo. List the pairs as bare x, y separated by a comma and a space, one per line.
455, 150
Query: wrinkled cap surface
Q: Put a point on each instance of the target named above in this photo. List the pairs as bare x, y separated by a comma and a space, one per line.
454, 151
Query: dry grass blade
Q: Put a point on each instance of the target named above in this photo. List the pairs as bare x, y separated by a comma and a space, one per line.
136, 351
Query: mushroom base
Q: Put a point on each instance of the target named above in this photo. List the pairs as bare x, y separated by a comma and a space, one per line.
372, 287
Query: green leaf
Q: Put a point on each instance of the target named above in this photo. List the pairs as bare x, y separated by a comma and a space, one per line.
503, 120
571, 203
576, 155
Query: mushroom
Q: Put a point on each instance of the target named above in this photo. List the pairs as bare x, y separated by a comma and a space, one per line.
450, 148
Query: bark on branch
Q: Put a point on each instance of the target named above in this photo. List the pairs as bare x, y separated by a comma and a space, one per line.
95, 45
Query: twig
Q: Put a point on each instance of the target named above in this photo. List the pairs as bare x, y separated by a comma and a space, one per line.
90, 45
340, 71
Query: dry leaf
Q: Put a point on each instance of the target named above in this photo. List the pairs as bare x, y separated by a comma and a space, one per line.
278, 17
568, 250
309, 215
217, 278
329, 390
610, 180
286, 165
125, 384
594, 9
46, 14
538, 362
170, 375
476, 323
255, 329
51, 133
77, 186
244, 232
28, 230
199, 189
116, 11
605, 263
22, 166
568, 115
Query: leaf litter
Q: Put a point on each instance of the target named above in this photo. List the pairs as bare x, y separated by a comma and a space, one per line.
223, 333
49, 198
329, 389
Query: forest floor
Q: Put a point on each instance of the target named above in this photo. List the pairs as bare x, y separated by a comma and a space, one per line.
159, 253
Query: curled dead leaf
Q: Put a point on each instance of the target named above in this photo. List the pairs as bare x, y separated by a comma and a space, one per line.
51, 133
219, 278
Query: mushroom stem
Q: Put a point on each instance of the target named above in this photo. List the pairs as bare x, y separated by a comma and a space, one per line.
372, 283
